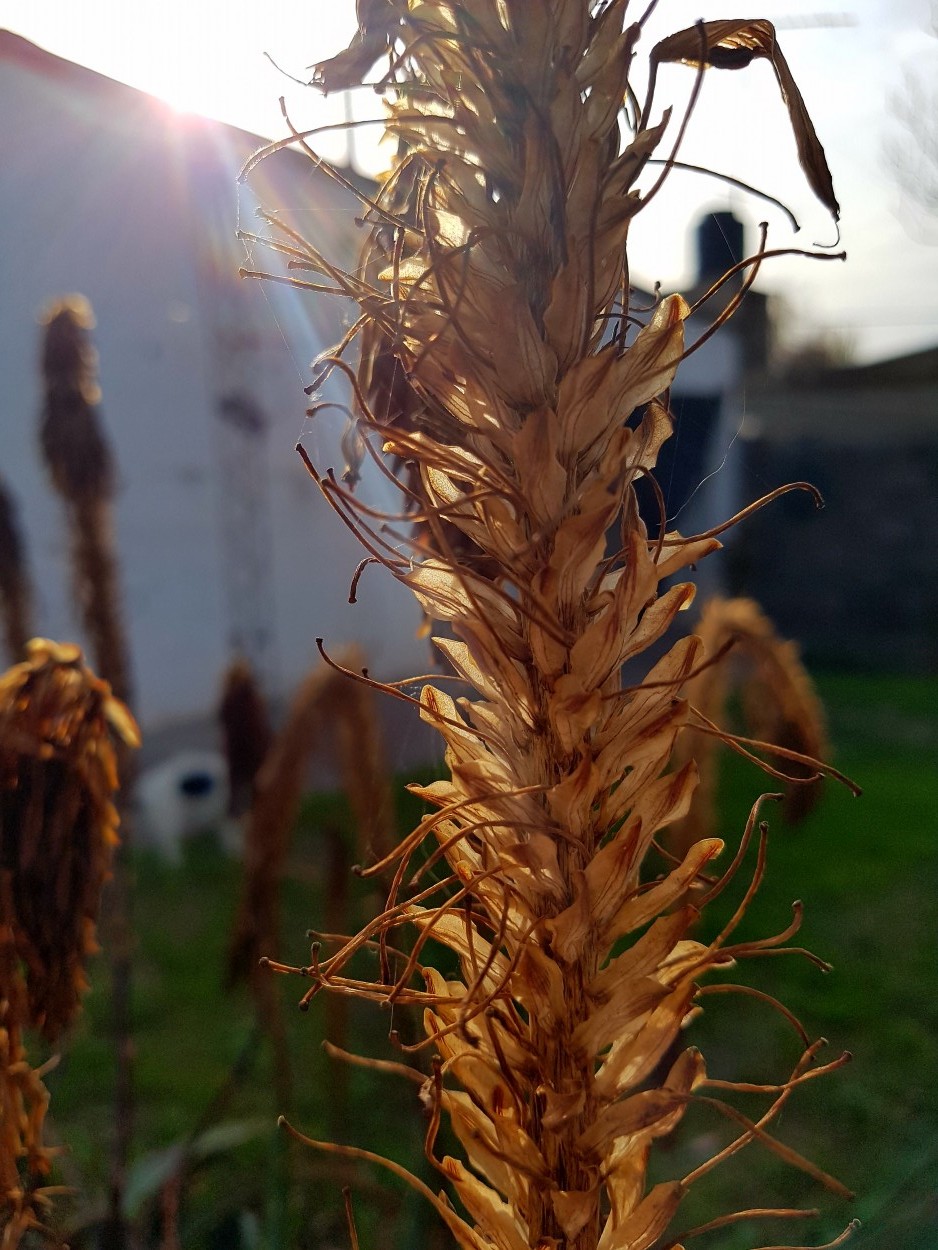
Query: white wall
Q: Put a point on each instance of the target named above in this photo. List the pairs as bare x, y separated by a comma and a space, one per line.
108, 193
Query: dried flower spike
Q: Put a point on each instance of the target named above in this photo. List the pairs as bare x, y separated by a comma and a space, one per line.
246, 731
780, 706
81, 466
58, 822
496, 277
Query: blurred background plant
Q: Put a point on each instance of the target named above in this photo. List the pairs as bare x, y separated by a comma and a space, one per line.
60, 729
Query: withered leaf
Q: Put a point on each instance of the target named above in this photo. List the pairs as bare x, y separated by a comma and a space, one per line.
376, 22
733, 44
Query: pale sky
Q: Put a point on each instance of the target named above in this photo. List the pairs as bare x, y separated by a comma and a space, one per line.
849, 60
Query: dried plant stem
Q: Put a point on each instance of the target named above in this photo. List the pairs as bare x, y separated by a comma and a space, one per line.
245, 723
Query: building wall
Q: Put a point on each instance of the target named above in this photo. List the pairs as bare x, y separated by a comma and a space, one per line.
109, 193
857, 582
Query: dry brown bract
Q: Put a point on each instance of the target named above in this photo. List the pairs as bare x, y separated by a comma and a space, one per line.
538, 401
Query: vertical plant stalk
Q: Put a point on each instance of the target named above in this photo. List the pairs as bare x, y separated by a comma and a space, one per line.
16, 597
497, 278
81, 467
59, 726
25, 1159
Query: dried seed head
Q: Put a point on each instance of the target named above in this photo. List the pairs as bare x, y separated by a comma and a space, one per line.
80, 463
246, 731
73, 442
780, 707
58, 822
324, 713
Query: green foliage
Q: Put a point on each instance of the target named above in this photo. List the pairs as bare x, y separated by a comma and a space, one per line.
866, 870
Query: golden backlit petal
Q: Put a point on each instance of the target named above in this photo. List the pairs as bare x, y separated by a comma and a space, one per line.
525, 366
625, 1168
573, 711
647, 1222
494, 1218
658, 618
560, 1107
511, 1183
601, 392
474, 952
571, 800
640, 1114
612, 873
633, 1002
537, 855
673, 558
637, 911
542, 477
122, 722
645, 957
574, 1209
630, 1060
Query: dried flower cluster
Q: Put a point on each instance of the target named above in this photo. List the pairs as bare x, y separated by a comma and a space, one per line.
780, 706
246, 731
58, 823
58, 829
528, 401
81, 467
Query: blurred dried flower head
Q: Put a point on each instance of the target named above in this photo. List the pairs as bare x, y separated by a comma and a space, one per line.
779, 706
246, 731
58, 822
77, 454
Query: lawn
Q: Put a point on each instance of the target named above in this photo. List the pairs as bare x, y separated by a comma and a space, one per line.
866, 869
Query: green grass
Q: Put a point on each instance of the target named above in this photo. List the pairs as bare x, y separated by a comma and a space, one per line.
866, 869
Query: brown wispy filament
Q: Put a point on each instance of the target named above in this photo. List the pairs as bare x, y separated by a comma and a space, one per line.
503, 369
